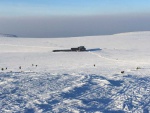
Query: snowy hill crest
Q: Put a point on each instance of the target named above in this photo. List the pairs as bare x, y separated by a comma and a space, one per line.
7, 35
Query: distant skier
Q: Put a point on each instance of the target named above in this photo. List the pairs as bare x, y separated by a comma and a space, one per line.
122, 72
94, 65
19, 67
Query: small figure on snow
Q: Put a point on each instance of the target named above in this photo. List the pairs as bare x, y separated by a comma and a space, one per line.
94, 65
122, 72
19, 67
2, 69
138, 68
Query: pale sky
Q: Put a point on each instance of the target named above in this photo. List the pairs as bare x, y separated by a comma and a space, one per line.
60, 18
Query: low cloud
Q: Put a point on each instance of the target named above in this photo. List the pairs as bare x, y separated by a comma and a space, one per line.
71, 26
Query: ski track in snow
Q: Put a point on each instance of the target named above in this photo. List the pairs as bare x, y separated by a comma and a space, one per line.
44, 92
113, 60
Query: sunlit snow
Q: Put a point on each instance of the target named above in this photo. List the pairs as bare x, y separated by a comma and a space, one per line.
35, 79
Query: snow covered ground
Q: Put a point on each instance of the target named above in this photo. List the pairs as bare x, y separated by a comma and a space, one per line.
68, 81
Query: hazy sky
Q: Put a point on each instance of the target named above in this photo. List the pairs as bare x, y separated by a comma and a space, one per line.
60, 18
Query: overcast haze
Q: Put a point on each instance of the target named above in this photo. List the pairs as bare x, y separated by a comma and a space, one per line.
57, 18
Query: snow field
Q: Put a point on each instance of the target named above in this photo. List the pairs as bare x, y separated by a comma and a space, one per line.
69, 81
44, 92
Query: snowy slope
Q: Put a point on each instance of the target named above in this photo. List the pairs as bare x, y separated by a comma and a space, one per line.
69, 81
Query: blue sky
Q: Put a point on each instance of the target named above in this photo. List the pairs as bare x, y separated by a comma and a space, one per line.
72, 7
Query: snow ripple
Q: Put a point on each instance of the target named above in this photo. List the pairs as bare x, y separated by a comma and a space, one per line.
74, 92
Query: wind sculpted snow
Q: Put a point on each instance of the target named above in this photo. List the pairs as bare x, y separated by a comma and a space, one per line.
44, 92
113, 76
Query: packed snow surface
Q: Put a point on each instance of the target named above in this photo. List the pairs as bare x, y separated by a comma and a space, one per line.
112, 76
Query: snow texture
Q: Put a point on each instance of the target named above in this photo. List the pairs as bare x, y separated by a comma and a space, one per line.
113, 76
